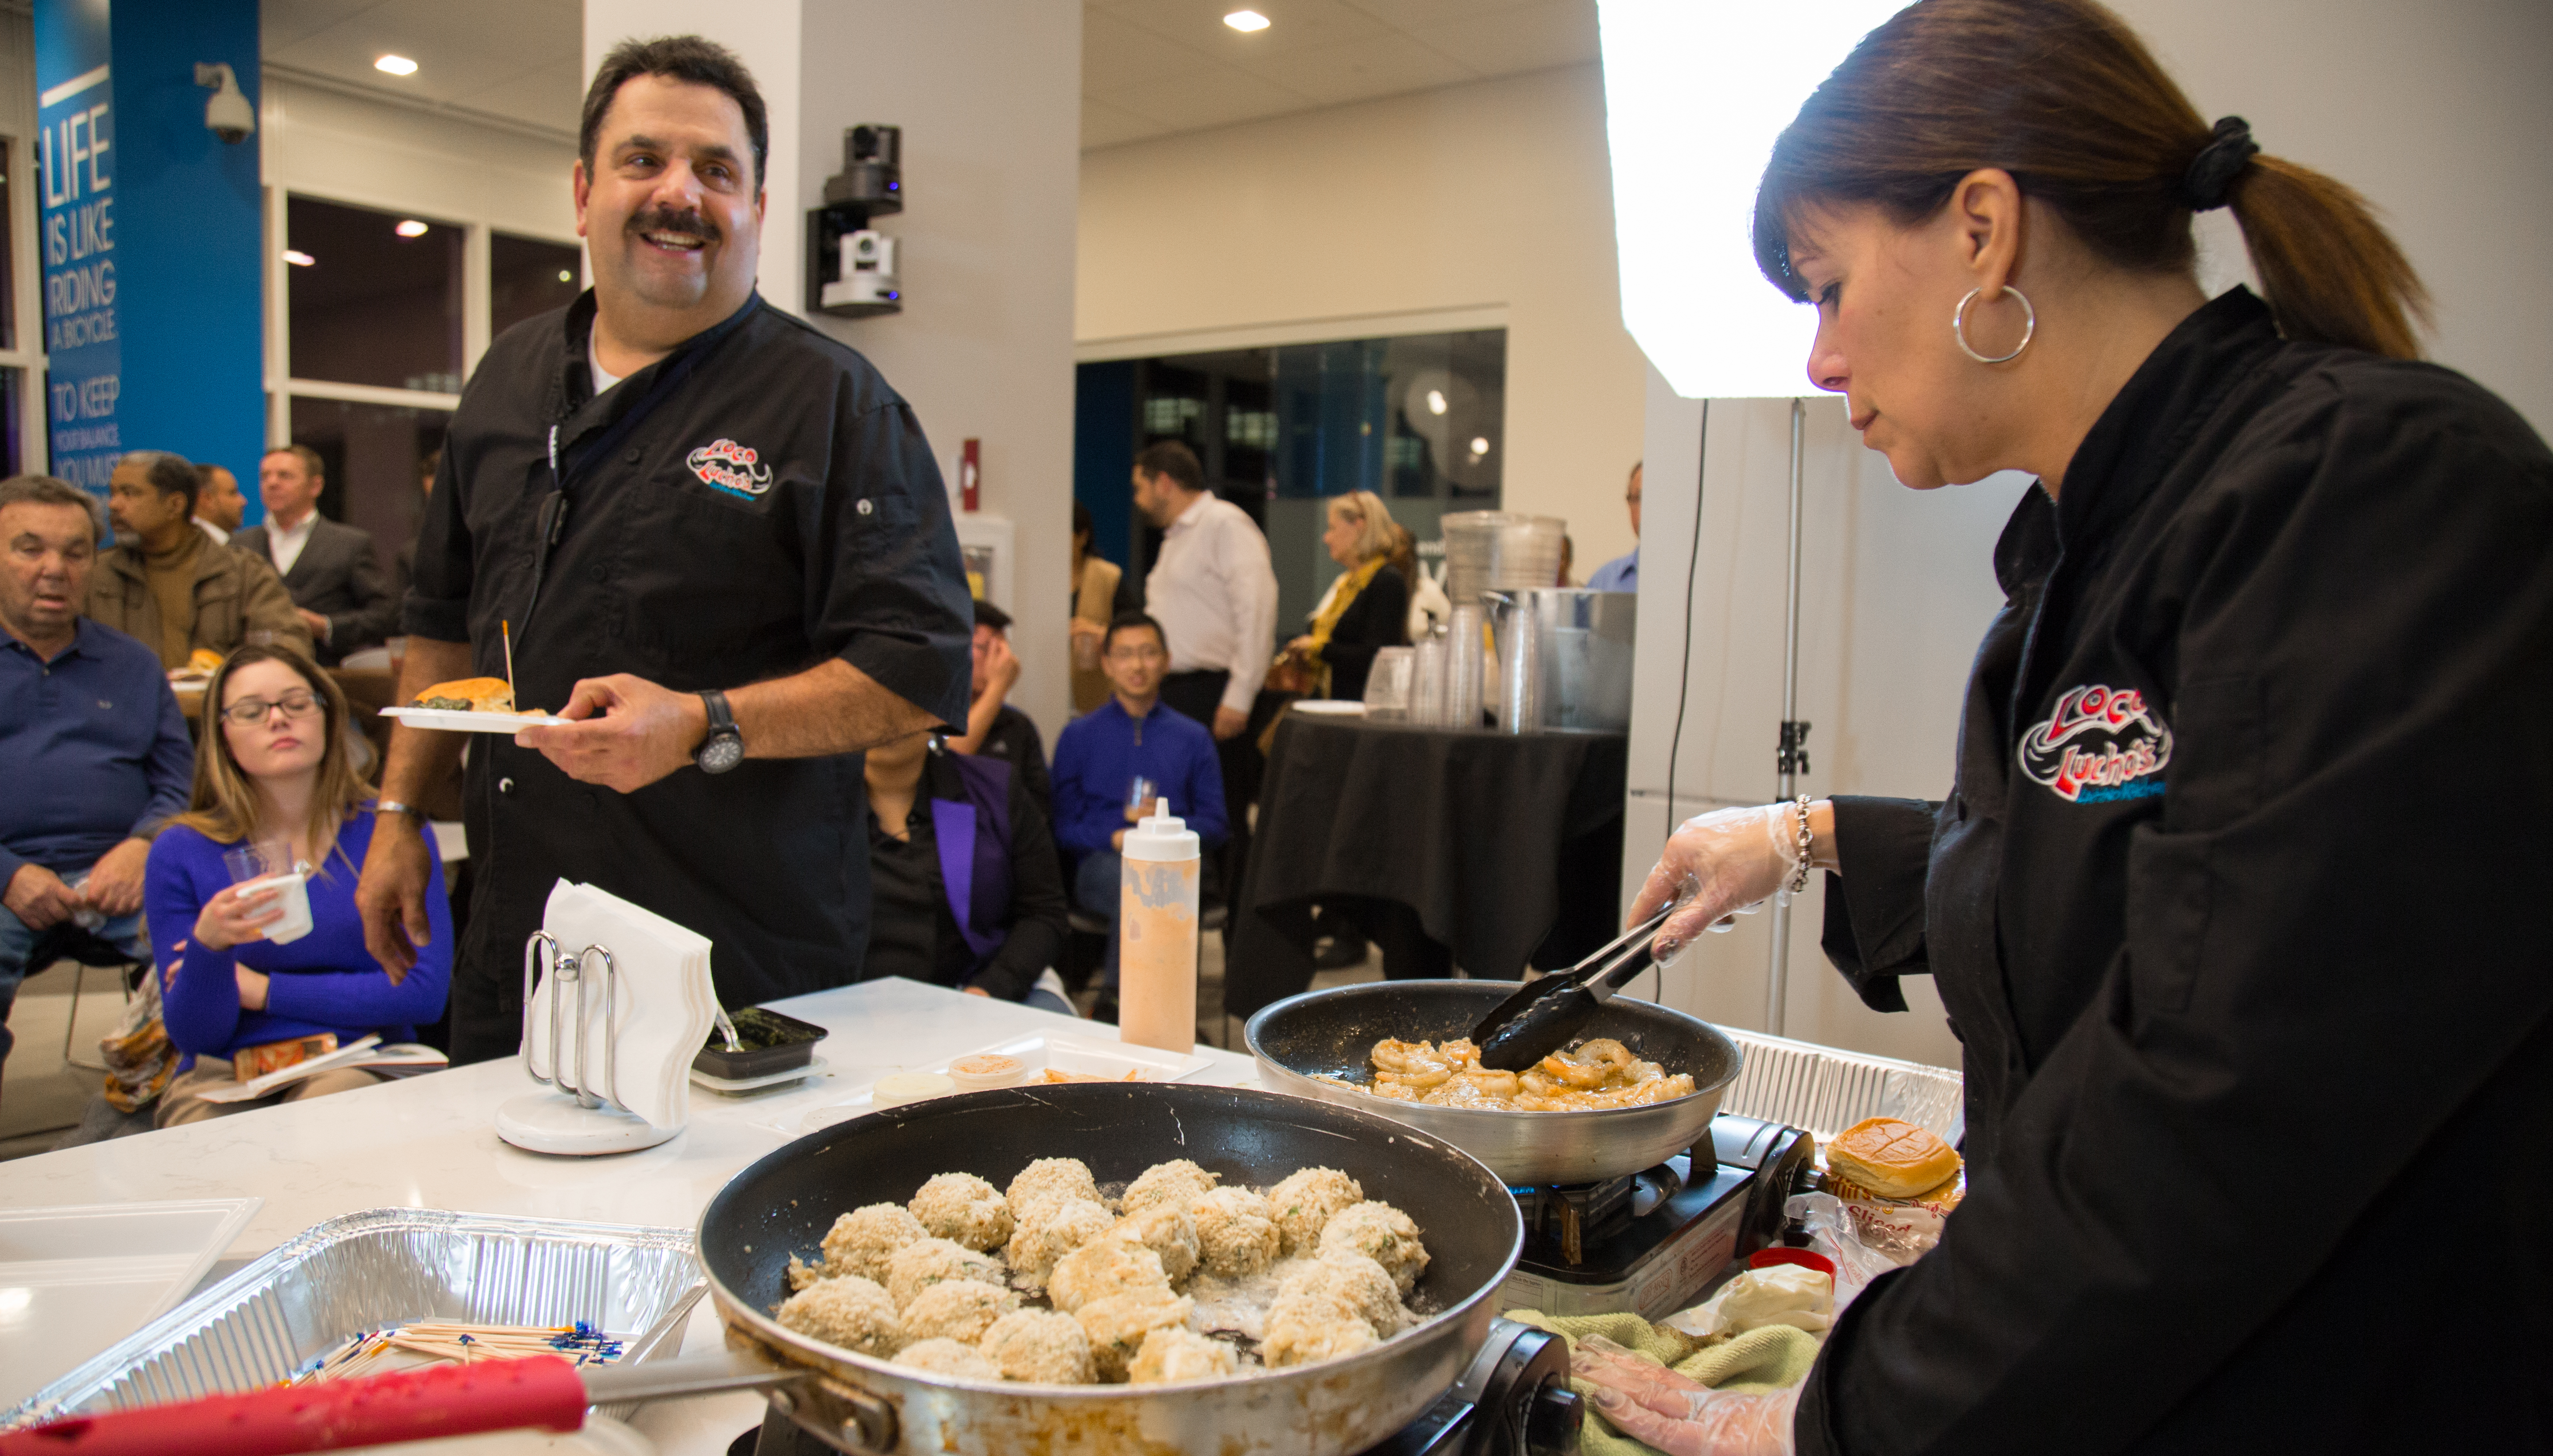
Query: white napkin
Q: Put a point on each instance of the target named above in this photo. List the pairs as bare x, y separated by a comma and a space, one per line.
661, 1004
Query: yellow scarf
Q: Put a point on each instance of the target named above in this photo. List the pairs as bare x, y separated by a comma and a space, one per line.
1326, 620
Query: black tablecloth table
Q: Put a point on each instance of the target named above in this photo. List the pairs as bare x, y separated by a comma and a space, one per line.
1506, 849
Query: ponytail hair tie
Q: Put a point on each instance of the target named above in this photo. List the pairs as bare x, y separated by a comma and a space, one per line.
2229, 150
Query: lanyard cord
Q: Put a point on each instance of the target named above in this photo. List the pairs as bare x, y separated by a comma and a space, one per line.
554, 508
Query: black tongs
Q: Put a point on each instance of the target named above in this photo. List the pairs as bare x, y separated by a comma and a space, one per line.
1542, 1018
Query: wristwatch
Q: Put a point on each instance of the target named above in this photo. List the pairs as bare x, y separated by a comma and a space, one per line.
724, 749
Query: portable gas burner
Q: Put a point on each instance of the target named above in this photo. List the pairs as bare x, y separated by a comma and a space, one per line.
1652, 1243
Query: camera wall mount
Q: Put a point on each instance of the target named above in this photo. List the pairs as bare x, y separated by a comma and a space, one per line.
852, 267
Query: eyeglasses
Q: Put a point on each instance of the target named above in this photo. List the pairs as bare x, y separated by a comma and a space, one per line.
249, 711
1136, 654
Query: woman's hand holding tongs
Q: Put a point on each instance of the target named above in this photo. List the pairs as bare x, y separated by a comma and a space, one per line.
1727, 864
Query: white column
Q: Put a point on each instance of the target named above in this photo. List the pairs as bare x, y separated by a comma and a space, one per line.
988, 93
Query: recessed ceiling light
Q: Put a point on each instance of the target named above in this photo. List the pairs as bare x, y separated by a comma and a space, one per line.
1246, 20
1480, 444
299, 259
1435, 401
398, 66
410, 228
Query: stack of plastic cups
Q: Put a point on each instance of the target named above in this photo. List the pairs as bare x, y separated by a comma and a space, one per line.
1519, 667
1463, 667
1427, 688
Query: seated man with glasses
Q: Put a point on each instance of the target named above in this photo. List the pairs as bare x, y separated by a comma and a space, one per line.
93, 752
1112, 763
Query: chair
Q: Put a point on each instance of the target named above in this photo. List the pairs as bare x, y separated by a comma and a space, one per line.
69, 940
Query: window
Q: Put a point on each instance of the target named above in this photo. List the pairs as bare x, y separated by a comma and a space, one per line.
375, 297
372, 458
22, 360
525, 277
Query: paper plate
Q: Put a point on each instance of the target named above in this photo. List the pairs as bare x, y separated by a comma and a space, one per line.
456, 721
1331, 706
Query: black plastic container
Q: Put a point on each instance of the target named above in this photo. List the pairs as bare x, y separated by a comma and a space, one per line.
773, 1043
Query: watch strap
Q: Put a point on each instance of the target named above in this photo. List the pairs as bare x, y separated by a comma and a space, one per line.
722, 718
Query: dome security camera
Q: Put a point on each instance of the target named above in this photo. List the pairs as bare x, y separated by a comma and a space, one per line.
227, 115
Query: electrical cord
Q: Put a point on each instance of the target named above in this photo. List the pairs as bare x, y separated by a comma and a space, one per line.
1684, 663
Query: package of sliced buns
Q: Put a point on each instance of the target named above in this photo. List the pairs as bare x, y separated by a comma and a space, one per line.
1897, 1180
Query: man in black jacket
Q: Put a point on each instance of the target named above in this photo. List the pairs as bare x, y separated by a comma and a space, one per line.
720, 546
329, 566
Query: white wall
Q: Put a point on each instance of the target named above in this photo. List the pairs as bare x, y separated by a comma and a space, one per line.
1463, 202
322, 143
988, 93
2438, 113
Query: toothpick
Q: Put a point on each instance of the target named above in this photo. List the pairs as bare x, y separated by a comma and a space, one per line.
506, 629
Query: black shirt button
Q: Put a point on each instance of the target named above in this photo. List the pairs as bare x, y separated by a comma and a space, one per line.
505, 786
633, 457
596, 573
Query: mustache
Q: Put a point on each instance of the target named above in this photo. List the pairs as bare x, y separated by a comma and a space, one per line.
673, 220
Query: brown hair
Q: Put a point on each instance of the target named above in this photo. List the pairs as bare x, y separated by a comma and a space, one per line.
692, 58
2065, 97
1174, 459
311, 465
226, 805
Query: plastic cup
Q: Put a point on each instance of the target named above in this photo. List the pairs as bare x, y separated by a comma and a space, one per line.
266, 865
1140, 794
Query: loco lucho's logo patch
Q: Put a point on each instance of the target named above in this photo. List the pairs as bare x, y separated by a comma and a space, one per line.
2099, 745
724, 465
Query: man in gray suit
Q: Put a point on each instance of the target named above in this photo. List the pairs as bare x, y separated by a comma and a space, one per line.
329, 567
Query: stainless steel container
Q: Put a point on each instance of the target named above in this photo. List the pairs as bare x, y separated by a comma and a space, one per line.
1584, 641
358, 1271
1463, 666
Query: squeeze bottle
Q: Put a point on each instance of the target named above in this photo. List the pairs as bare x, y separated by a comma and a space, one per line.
1156, 933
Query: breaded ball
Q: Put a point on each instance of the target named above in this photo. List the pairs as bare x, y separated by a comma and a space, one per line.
1303, 1331
1118, 1325
848, 1311
925, 1262
1306, 1202
958, 1309
1051, 1179
1040, 1345
964, 1209
1236, 1233
1167, 1230
864, 1239
803, 1274
1355, 1283
1104, 1269
1171, 1353
948, 1357
1383, 1233
1177, 1182
1048, 1231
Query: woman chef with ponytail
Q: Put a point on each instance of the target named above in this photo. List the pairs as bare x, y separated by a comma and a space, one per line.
2236, 900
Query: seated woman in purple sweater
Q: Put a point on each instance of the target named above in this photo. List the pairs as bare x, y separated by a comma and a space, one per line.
274, 766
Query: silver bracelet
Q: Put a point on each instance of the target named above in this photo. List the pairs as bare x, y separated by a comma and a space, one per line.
1807, 842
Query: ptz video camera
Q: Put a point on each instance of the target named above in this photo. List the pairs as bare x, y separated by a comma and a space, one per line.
227, 115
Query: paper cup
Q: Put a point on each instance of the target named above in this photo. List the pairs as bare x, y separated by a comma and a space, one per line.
296, 921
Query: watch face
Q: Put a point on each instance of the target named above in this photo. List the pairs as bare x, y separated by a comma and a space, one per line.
721, 752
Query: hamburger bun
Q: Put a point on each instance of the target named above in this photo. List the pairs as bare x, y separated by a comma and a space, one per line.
469, 695
204, 660
1892, 1157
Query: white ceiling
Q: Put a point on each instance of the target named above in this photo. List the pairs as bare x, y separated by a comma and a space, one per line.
1149, 67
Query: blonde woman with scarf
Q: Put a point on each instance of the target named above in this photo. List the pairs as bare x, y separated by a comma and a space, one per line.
1364, 608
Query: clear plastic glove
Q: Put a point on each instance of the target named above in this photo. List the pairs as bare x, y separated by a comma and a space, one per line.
1726, 863
1682, 1418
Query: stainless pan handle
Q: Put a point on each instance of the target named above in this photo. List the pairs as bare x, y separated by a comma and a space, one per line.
841, 1415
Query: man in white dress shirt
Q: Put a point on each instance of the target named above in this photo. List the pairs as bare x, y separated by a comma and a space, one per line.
1214, 593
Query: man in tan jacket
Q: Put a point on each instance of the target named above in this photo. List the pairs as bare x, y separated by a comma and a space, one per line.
168, 583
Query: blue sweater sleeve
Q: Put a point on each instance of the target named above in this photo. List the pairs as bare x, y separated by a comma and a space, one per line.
324, 981
1084, 820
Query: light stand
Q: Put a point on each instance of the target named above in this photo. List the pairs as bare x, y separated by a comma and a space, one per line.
1792, 758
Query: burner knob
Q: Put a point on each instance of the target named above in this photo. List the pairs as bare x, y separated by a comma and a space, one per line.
1552, 1420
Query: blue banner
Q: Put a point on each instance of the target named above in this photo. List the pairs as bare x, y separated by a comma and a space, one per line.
77, 165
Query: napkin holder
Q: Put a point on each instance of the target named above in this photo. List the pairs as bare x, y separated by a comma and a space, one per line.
570, 1119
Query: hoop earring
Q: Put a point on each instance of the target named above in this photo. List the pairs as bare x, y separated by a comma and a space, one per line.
1960, 326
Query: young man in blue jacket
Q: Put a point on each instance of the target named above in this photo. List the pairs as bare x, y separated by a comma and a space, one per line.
1101, 753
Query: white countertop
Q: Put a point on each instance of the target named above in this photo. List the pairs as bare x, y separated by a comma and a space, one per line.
430, 1142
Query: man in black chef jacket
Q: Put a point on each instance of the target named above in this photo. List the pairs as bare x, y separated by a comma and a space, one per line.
721, 544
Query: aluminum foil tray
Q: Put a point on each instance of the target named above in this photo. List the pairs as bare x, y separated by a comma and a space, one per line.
361, 1271
1825, 1090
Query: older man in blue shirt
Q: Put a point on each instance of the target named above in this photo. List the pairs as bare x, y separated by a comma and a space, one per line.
92, 747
